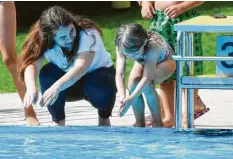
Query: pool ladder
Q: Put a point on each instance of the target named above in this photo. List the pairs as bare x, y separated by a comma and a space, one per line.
191, 82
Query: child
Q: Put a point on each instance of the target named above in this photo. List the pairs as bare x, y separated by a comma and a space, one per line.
164, 15
152, 66
79, 66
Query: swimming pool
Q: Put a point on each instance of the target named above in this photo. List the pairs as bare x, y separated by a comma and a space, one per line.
113, 143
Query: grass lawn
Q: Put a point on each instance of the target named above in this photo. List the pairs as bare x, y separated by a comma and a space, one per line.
110, 23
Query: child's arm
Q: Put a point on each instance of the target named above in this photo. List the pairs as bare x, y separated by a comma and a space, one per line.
177, 9
148, 71
147, 78
148, 75
120, 74
187, 5
80, 68
82, 64
30, 76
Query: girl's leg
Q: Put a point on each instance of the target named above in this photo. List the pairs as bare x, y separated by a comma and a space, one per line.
198, 70
199, 106
153, 103
138, 104
100, 91
7, 48
49, 74
163, 71
166, 93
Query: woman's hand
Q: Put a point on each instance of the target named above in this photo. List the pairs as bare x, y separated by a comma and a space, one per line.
30, 98
147, 11
125, 105
122, 97
49, 96
174, 11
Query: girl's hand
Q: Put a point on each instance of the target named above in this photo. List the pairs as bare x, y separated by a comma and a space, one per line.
174, 11
30, 98
49, 96
125, 105
127, 101
147, 11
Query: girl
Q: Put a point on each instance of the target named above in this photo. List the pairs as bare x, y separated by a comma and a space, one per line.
152, 66
164, 15
79, 66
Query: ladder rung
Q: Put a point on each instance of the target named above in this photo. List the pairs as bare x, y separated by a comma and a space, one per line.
190, 80
201, 58
212, 86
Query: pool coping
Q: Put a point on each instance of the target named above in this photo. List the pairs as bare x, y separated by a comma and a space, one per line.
81, 113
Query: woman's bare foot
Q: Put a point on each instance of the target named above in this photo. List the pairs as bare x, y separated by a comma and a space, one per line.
32, 121
59, 123
30, 117
104, 122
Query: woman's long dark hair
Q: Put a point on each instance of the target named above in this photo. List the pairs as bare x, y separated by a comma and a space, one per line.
40, 37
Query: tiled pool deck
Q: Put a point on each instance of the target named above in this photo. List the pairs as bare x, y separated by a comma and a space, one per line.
82, 113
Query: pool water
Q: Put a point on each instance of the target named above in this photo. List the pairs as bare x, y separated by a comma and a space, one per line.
113, 143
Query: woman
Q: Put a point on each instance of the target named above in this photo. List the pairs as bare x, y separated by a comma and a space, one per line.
79, 66
7, 49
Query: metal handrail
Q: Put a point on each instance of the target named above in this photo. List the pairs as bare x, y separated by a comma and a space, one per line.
200, 58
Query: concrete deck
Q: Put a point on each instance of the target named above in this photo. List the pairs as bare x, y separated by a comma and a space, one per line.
82, 113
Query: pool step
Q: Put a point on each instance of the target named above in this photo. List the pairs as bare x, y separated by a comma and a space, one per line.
207, 82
